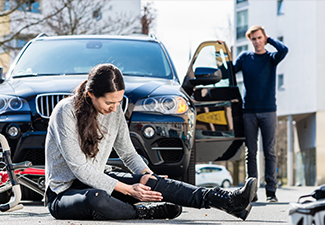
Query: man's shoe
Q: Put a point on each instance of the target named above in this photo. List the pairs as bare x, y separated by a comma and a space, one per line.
272, 199
236, 203
270, 196
161, 211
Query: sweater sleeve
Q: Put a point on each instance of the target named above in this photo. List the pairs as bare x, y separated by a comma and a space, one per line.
282, 50
239, 62
125, 149
64, 131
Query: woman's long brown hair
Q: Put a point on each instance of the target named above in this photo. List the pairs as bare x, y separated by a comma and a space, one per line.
102, 79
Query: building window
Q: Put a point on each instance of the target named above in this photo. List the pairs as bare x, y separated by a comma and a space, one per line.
242, 23
240, 1
28, 6
280, 7
280, 82
241, 49
7, 5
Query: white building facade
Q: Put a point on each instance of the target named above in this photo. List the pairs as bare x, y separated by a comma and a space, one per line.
300, 76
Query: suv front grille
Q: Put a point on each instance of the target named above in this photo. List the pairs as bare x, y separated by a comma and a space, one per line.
36, 156
171, 156
45, 103
171, 149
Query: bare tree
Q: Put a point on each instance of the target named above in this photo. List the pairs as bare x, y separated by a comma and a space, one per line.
18, 5
65, 17
148, 16
18, 22
21, 20
91, 17
225, 32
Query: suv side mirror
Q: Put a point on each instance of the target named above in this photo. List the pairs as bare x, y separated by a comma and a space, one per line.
1, 75
206, 75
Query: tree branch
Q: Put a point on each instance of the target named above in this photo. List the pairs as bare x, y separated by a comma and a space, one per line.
8, 12
36, 23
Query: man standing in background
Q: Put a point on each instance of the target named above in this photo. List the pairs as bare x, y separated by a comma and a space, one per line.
259, 74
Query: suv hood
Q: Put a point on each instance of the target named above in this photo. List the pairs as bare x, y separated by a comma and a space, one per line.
6, 89
30, 86
136, 87
140, 87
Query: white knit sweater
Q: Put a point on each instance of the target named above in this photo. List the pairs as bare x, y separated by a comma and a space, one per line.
65, 161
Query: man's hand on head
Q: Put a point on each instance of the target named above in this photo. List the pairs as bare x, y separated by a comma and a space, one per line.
266, 38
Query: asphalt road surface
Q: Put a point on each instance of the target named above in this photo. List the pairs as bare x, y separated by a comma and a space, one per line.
34, 213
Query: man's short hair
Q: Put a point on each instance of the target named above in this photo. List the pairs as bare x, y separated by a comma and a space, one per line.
253, 29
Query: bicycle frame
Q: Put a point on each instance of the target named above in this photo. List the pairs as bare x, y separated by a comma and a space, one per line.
12, 182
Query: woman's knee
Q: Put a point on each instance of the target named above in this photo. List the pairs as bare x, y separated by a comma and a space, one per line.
144, 179
96, 198
101, 206
77, 206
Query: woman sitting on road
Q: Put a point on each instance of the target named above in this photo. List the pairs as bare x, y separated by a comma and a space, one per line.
82, 131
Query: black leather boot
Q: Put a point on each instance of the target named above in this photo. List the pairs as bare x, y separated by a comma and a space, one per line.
161, 211
236, 203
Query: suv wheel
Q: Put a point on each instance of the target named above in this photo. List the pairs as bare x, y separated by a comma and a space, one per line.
189, 176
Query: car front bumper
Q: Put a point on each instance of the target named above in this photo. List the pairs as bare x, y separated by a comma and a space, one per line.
169, 149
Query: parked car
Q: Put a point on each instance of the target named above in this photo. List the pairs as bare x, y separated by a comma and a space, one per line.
172, 125
210, 175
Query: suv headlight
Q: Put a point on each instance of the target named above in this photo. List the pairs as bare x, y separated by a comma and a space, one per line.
162, 104
12, 103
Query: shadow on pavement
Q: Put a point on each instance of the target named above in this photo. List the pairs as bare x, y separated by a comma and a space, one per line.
267, 203
270, 221
32, 203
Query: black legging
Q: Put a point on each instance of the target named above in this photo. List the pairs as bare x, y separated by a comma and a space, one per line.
84, 203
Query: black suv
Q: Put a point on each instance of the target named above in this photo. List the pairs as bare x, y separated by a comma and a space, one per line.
167, 121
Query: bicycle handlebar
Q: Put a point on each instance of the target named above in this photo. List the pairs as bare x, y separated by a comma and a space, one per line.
12, 176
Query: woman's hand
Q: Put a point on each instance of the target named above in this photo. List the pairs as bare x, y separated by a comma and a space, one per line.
139, 191
144, 193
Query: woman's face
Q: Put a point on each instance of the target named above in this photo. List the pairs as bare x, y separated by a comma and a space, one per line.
108, 103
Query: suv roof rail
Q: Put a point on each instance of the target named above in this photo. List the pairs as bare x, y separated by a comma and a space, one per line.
153, 36
41, 35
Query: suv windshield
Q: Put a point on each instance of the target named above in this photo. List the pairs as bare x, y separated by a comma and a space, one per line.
78, 56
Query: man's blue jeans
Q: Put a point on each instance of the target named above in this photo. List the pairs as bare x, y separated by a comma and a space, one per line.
267, 122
